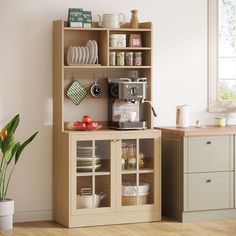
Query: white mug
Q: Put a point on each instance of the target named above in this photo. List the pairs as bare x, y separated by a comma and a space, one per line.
130, 116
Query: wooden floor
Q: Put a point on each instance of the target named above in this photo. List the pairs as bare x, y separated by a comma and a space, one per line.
164, 228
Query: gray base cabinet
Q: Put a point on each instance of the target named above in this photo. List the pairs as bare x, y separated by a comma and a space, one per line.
198, 176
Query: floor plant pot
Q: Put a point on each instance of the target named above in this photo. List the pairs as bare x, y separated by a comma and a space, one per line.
6, 214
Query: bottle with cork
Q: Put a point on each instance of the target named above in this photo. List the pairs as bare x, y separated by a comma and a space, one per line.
134, 19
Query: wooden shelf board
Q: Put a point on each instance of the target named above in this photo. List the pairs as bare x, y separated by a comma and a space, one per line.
141, 171
130, 48
106, 67
84, 29
105, 29
129, 67
130, 29
97, 173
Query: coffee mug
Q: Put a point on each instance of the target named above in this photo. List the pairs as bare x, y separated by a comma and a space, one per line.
130, 116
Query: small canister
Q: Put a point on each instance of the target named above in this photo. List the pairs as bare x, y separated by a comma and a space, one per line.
117, 40
138, 58
112, 58
129, 58
220, 121
120, 58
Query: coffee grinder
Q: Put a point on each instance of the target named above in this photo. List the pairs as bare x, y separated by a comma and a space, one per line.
125, 97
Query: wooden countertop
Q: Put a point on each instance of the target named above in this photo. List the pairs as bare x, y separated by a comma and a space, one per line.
201, 131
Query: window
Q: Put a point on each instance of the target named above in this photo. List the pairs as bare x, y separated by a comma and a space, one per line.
222, 55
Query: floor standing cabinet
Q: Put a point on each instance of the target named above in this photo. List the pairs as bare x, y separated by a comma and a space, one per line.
198, 167
110, 190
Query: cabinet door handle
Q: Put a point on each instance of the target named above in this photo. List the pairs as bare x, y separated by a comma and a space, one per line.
208, 180
208, 142
115, 140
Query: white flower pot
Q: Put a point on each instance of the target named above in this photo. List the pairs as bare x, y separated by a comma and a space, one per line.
6, 214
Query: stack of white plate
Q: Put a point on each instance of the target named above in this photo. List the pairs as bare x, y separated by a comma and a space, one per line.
79, 55
85, 159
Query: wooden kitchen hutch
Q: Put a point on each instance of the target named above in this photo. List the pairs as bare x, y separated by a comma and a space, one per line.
105, 143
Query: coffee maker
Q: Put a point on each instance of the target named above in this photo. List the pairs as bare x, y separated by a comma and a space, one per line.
125, 98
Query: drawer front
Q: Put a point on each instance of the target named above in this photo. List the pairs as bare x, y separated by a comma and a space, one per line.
209, 153
207, 191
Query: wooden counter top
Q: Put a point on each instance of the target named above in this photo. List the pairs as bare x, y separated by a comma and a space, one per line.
201, 131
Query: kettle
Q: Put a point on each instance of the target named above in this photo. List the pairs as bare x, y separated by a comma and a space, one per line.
111, 20
182, 116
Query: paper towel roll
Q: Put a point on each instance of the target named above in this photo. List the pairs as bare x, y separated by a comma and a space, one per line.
182, 116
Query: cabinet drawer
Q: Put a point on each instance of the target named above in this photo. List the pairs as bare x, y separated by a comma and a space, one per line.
209, 153
206, 191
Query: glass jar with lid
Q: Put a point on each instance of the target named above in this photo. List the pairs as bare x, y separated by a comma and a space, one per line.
138, 58
124, 156
131, 156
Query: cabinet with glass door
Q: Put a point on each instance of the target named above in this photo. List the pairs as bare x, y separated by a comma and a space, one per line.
116, 177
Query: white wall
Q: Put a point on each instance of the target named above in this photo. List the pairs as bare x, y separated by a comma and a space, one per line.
180, 71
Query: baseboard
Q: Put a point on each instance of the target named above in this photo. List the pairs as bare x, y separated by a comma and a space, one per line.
209, 215
26, 216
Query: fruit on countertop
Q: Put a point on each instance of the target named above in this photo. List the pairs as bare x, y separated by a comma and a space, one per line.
86, 124
87, 119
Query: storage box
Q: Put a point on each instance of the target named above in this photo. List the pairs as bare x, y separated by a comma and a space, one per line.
75, 17
117, 40
87, 19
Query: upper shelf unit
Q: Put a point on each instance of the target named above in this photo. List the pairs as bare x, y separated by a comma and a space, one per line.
79, 37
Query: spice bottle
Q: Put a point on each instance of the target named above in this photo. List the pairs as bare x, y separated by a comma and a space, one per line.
129, 58
120, 59
138, 58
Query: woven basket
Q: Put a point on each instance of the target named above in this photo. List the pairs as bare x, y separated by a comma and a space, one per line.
132, 200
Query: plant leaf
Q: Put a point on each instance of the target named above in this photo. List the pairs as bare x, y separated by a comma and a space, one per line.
13, 124
1, 143
23, 145
7, 142
13, 151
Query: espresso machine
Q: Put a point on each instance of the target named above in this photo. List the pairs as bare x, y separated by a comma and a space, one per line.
125, 98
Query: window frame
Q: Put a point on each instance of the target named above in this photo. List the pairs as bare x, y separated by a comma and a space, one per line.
214, 105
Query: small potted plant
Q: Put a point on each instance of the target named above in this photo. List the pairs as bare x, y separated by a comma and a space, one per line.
11, 152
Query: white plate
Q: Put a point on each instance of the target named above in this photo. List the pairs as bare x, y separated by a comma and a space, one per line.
95, 46
86, 55
87, 158
82, 55
70, 55
79, 55
89, 44
88, 168
85, 147
75, 59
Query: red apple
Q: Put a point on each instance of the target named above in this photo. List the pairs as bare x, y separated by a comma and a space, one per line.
83, 124
93, 124
77, 124
86, 119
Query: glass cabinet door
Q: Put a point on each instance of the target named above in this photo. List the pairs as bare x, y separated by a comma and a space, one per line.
93, 174
137, 172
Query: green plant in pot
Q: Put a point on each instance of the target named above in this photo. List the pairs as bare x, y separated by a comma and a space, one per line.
11, 152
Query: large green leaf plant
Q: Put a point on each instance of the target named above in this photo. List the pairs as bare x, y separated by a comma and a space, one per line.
11, 152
